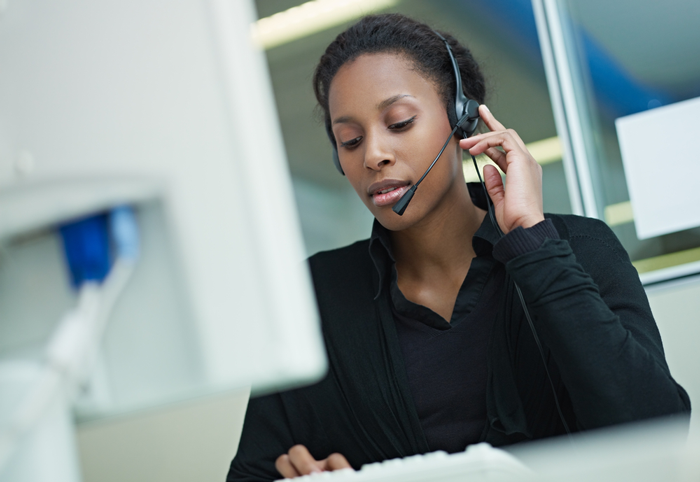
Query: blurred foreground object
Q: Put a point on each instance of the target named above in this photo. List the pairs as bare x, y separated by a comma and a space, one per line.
165, 108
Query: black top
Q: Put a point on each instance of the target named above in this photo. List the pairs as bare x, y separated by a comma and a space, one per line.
446, 362
603, 350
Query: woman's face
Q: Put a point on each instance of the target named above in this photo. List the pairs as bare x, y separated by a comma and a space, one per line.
389, 123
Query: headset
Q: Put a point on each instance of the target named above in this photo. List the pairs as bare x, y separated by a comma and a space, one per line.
464, 121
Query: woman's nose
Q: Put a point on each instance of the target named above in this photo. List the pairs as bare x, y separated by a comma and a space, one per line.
378, 153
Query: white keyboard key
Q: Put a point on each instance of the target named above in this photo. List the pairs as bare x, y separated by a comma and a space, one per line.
373, 466
479, 462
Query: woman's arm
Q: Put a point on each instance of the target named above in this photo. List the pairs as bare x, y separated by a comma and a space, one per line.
266, 434
585, 296
590, 309
283, 437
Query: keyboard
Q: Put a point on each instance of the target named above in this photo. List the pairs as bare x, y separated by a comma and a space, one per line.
479, 462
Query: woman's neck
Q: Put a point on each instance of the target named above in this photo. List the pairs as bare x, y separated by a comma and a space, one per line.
441, 245
441, 241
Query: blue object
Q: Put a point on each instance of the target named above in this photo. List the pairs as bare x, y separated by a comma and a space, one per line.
125, 232
619, 93
86, 246
86, 243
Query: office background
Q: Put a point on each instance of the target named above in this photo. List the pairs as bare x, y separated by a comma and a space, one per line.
619, 69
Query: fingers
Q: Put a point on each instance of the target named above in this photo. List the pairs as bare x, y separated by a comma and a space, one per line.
521, 205
489, 119
299, 461
491, 143
499, 157
487, 143
494, 185
495, 127
285, 468
337, 462
302, 460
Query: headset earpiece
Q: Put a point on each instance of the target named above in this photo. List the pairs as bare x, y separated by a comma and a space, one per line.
472, 112
464, 107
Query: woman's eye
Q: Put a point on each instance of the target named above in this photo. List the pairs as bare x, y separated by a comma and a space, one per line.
351, 143
402, 124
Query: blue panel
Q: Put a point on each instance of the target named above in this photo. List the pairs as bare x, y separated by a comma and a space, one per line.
617, 91
86, 246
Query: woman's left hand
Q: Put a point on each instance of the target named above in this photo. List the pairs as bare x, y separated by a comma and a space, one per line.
521, 203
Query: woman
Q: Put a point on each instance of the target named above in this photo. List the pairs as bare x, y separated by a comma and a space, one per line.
429, 345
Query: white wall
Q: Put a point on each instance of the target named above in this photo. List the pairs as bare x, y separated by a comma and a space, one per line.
191, 442
676, 307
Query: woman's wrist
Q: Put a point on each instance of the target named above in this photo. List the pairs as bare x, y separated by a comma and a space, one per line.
521, 240
530, 221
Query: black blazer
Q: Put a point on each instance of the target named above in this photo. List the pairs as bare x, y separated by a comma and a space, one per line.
590, 311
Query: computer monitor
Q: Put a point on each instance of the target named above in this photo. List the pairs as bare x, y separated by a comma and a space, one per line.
167, 107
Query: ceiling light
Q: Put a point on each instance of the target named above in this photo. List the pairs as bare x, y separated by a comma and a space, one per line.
311, 17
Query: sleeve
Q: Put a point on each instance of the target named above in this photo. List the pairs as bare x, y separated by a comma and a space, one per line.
590, 309
275, 423
266, 435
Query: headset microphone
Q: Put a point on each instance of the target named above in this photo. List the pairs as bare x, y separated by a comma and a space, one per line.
402, 203
466, 118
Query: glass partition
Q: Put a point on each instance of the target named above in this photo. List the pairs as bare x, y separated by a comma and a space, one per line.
623, 76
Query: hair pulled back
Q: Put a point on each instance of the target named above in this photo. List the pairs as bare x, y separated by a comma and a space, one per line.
396, 33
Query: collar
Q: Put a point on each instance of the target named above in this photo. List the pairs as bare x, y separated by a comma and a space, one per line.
380, 242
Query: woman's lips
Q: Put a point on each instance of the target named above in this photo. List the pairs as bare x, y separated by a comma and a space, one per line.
384, 198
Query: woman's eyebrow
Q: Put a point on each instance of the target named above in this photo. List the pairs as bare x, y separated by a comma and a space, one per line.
387, 102
342, 120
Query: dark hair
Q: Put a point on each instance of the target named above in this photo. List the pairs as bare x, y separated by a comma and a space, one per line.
397, 33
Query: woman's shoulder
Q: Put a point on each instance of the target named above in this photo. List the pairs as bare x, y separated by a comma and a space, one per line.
347, 255
345, 285
587, 234
342, 266
571, 226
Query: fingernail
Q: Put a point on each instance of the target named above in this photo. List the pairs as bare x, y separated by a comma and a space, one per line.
486, 107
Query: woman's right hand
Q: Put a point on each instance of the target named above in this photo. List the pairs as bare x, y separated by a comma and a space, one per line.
298, 461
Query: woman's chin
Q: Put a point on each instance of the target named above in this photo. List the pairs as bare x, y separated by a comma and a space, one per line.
392, 221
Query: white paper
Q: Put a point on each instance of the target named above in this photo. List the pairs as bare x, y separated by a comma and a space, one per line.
661, 155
